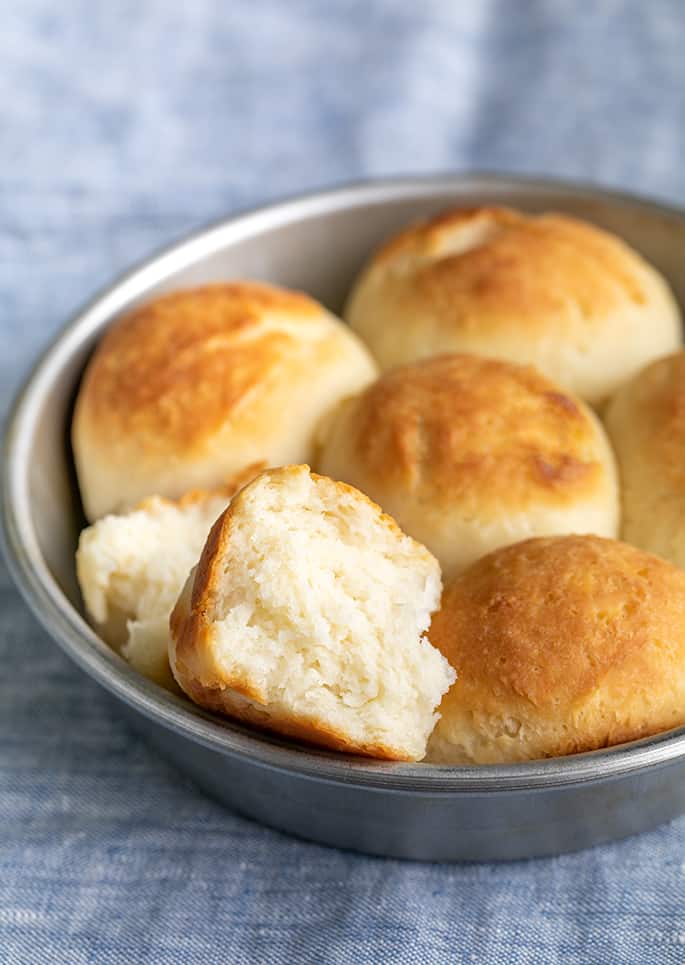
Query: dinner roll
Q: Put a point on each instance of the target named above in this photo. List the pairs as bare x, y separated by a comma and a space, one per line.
562, 645
469, 454
131, 569
547, 290
646, 422
189, 389
306, 616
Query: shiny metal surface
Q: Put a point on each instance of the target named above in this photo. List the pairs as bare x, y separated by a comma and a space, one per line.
412, 811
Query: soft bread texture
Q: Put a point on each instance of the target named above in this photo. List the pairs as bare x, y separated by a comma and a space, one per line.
306, 616
646, 423
550, 291
131, 569
187, 390
563, 645
469, 454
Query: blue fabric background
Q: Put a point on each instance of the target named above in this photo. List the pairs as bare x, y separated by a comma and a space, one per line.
124, 125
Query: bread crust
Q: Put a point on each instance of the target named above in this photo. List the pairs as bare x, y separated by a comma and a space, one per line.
562, 645
549, 290
204, 351
469, 453
191, 387
646, 423
459, 426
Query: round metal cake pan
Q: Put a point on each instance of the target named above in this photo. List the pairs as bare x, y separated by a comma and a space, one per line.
318, 243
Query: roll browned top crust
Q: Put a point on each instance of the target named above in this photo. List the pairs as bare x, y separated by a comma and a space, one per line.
187, 390
646, 422
469, 454
561, 645
547, 290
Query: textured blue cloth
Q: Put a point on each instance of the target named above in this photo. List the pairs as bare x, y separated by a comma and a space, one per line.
123, 125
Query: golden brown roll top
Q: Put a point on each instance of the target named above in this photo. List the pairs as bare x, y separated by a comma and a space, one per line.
547, 290
646, 422
561, 645
190, 388
469, 454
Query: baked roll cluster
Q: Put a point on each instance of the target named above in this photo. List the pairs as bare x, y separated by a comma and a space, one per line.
454, 432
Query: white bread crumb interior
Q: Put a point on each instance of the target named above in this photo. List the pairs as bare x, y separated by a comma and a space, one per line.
307, 615
131, 569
